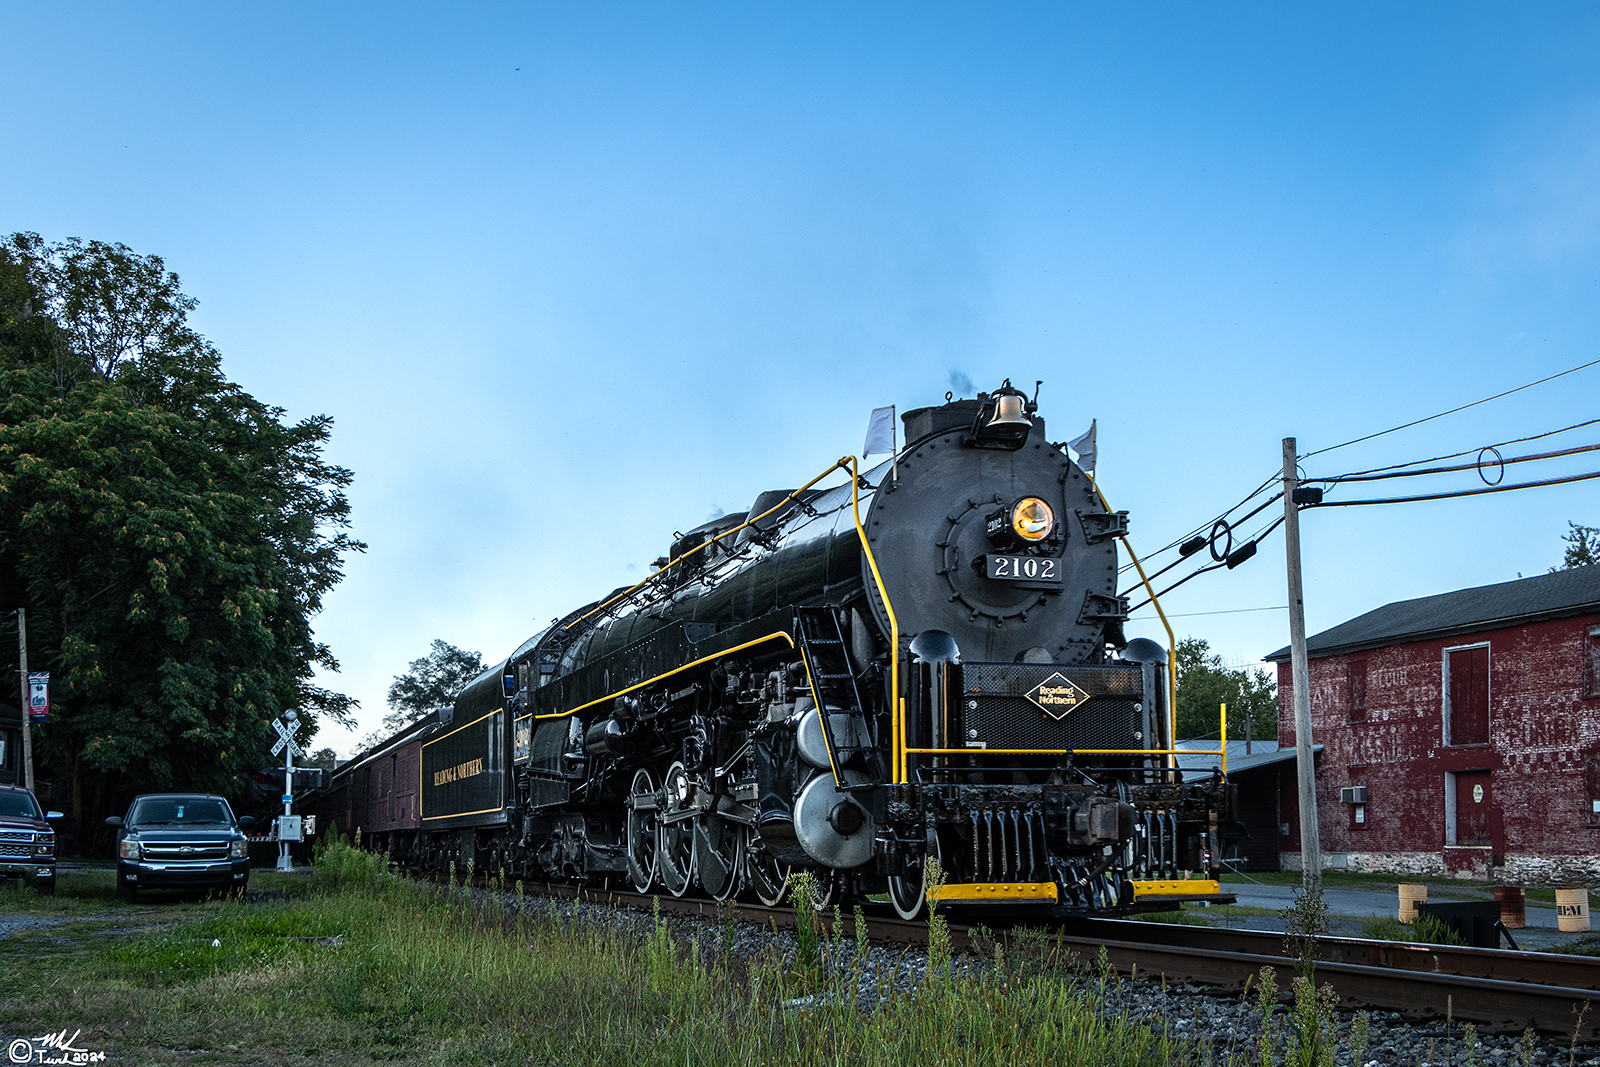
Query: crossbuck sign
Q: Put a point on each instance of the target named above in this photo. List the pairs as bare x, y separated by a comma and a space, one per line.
285, 739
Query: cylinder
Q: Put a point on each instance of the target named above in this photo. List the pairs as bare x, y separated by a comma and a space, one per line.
1572, 911
1513, 909
1410, 896
607, 738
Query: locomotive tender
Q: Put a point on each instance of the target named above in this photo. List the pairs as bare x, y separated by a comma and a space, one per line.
926, 660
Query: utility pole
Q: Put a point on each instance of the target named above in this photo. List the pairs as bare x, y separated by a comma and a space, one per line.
1310, 839
27, 714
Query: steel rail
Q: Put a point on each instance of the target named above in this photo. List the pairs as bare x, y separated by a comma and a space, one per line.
1499, 991
1539, 968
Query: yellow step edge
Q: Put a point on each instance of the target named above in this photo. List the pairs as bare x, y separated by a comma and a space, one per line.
1187, 887
995, 892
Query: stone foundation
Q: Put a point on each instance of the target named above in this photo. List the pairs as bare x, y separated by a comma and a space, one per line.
1517, 869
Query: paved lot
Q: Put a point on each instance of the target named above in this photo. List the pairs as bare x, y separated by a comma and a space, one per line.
1351, 906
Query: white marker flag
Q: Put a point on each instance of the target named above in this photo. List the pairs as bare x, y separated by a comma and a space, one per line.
1084, 447
880, 432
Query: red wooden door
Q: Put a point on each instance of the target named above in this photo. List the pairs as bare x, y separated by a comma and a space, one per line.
1474, 808
1469, 696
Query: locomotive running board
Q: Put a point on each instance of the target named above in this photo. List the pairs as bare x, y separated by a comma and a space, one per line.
996, 893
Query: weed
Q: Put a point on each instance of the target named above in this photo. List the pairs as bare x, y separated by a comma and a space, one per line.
1424, 929
938, 928
730, 925
807, 957
1583, 946
659, 952
338, 864
1360, 1031
1266, 1002
863, 950
1385, 928
1306, 920
1033, 937
1432, 930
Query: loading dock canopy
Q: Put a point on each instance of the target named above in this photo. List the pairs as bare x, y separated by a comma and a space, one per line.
1262, 754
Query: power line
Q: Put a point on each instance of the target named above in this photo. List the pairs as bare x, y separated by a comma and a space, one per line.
1210, 524
1458, 493
1452, 411
1250, 541
1393, 472
1470, 451
1230, 611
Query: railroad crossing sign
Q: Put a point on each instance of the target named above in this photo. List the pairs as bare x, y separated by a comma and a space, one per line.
285, 739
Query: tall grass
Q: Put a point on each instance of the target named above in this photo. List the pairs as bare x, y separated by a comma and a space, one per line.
372, 966
1424, 929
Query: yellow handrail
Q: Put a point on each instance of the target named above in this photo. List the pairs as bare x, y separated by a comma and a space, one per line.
1172, 641
895, 705
822, 714
1224, 741
1173, 752
676, 670
897, 741
707, 544
1069, 752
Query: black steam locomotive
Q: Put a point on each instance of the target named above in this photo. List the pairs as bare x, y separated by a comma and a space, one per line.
924, 660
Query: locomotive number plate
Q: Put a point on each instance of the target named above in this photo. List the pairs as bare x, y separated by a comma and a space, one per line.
1042, 569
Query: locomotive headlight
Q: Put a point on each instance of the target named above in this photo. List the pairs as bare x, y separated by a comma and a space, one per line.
1031, 519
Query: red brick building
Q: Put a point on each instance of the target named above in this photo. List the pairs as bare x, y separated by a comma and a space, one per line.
1460, 734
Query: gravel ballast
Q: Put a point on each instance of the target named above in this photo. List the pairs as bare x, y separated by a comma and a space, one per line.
1228, 1025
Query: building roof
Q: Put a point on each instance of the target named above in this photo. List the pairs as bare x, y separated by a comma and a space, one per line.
1262, 754
1488, 607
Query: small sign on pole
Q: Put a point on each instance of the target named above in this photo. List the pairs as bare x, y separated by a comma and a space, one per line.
39, 697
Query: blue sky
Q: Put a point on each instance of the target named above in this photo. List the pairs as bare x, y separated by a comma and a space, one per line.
569, 278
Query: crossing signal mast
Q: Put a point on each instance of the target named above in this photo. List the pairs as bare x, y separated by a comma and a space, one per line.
288, 824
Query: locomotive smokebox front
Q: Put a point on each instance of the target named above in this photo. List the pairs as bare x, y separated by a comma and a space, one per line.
1007, 549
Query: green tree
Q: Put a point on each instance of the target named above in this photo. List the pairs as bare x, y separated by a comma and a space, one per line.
1205, 683
170, 535
430, 682
1583, 547
326, 758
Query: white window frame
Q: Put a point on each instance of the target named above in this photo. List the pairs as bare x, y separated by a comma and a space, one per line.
1449, 807
1591, 634
1444, 691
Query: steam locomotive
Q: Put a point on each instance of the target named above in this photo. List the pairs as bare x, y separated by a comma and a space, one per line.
922, 660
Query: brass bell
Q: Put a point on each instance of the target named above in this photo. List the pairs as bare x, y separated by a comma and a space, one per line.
1008, 412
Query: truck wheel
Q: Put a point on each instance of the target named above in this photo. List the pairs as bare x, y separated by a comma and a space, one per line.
47, 886
127, 891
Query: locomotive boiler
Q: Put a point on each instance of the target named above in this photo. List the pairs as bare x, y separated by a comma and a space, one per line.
924, 659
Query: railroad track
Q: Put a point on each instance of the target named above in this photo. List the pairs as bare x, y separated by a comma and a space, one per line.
1498, 991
